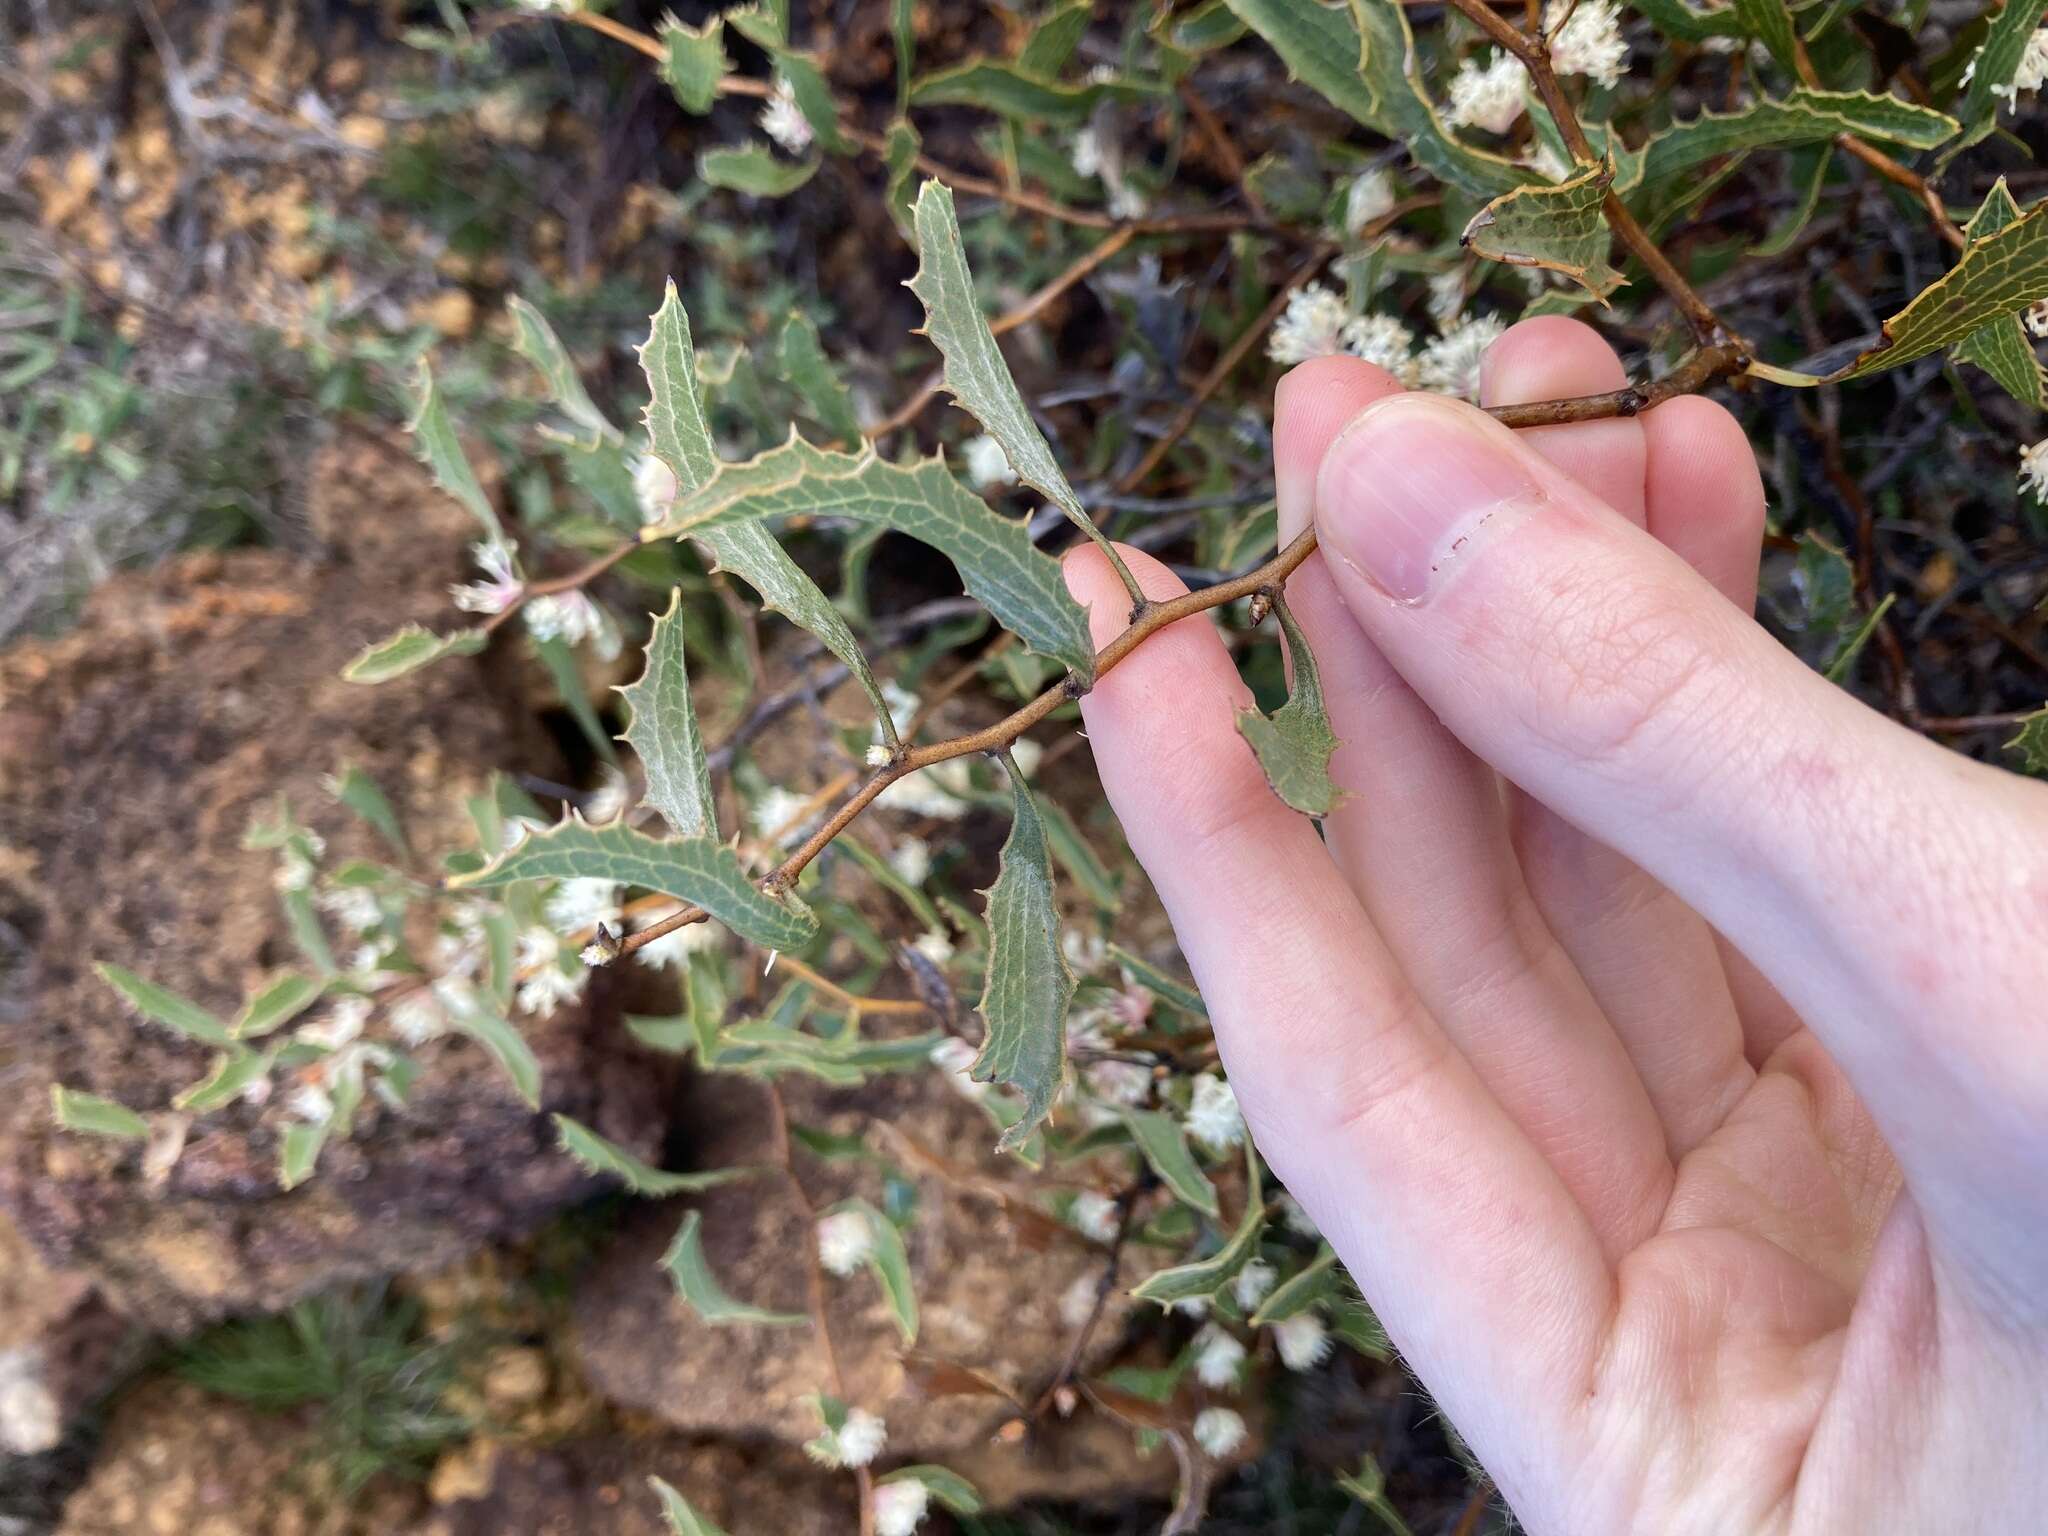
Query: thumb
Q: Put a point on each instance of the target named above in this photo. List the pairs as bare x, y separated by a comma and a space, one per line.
1590, 665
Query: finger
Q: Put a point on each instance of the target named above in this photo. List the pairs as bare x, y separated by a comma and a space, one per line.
1453, 1225
1553, 357
1423, 840
1703, 492
1648, 960
1864, 870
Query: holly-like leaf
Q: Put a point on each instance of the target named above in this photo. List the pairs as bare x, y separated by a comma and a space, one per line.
813, 377
409, 649
697, 870
679, 437
1362, 60
1054, 37
2003, 348
975, 373
298, 1151
1676, 19
1165, 1145
2005, 44
694, 61
1204, 1277
664, 731
434, 437
1770, 23
2031, 742
1802, 117
899, 158
361, 794
1024, 1001
232, 1076
1999, 275
1014, 91
276, 1004
682, 1520
501, 1038
608, 1158
1309, 1285
165, 1007
951, 1489
699, 1288
1018, 583
889, 1262
1294, 745
1561, 228
91, 1115
535, 340
755, 170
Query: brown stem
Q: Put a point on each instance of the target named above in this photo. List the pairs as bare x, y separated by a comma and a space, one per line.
1707, 326
1077, 1347
1911, 180
814, 1277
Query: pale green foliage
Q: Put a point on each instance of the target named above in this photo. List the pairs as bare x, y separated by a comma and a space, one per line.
1203, 1278
665, 735
696, 870
2002, 347
95, 1116
696, 59
1561, 228
1294, 743
1165, 1146
675, 1509
408, 650
165, 1007
275, 1004
441, 452
642, 1178
889, 1263
755, 169
2031, 742
538, 344
1024, 1002
691, 1274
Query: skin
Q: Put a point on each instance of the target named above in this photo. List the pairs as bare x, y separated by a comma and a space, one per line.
1659, 1035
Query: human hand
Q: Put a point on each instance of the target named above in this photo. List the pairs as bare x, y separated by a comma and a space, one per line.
1685, 1232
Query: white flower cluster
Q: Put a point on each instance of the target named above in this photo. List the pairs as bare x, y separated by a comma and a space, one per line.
501, 585
1219, 1431
2034, 470
1450, 364
1489, 95
1589, 40
1213, 1117
784, 121
900, 1507
1318, 323
1369, 198
845, 1241
1303, 1341
857, 1441
655, 488
1219, 1359
2031, 74
986, 464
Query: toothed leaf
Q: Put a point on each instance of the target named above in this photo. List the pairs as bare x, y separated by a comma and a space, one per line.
1295, 743
91, 1115
165, 1007
1561, 228
691, 1275
434, 437
664, 731
1165, 1145
600, 1156
694, 62
408, 650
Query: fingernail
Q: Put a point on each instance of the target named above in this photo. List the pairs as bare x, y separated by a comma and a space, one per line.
1412, 486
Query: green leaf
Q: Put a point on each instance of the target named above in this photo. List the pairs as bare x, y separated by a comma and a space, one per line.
813, 377
813, 95
755, 170
1012, 91
975, 373
165, 1007
696, 870
600, 1156
434, 438
1802, 117
1159, 984
1200, 29
1054, 37
276, 1004
1362, 60
1999, 275
1018, 583
1294, 745
1561, 228
890, 1264
1299, 1291
559, 657
1808, 167
664, 731
1165, 1146
1204, 1277
2031, 742
2005, 44
409, 649
1770, 23
1844, 665
1078, 860
676, 431
306, 932
500, 1036
899, 157
676, 1510
903, 27
1676, 19
232, 1076
695, 61
360, 793
948, 1487
535, 340
91, 1115
2003, 348
700, 1290
298, 1151
1029, 987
